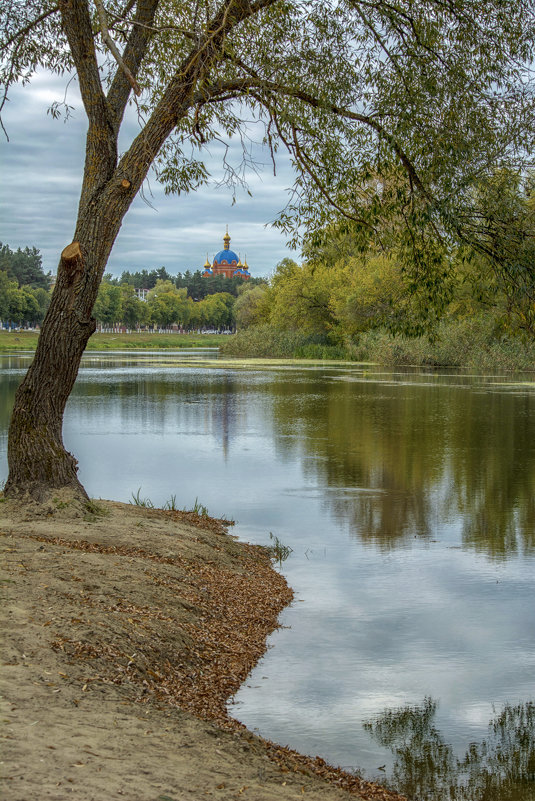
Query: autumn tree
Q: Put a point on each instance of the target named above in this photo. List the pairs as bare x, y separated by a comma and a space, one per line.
252, 305
352, 88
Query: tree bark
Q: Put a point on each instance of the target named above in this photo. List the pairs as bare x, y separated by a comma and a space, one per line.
38, 461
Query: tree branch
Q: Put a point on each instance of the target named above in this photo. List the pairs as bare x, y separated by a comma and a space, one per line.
101, 141
77, 26
27, 28
179, 95
307, 165
211, 94
103, 23
133, 55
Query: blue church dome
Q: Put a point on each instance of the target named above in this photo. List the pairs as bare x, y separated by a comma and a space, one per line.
226, 255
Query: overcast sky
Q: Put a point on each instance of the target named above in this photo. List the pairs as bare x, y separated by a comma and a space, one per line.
41, 175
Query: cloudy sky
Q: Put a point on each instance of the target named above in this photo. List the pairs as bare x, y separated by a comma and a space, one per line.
41, 174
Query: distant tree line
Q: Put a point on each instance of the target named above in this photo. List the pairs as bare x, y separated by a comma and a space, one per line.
165, 306
197, 287
187, 299
24, 287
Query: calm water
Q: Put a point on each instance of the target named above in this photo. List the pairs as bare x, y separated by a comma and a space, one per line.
408, 499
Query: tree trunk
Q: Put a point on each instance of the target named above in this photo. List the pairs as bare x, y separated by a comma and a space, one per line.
38, 461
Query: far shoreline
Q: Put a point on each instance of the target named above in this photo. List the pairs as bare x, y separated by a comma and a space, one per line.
27, 340
252, 347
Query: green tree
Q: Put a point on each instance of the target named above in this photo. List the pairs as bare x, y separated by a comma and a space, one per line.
217, 310
43, 299
252, 305
25, 266
498, 263
22, 306
134, 311
107, 309
300, 297
168, 305
369, 293
433, 92
7, 285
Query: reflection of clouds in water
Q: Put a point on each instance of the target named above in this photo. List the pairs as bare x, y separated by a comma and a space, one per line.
368, 627
383, 616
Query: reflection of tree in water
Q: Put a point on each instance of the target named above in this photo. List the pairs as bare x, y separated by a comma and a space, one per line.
500, 768
395, 458
400, 457
9, 382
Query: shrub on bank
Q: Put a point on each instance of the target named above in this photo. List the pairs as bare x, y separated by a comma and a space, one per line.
264, 341
472, 342
322, 351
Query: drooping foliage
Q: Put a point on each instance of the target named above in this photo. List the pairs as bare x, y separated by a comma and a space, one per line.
389, 110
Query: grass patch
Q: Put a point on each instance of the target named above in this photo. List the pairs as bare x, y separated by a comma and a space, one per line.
198, 509
148, 341
137, 500
94, 511
27, 340
59, 504
170, 506
277, 551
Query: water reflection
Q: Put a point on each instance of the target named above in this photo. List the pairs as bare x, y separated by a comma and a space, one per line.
405, 458
499, 768
421, 456
408, 501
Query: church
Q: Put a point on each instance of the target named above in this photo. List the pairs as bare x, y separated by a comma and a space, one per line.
227, 263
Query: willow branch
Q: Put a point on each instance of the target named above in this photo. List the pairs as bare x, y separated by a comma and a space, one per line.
179, 95
77, 26
103, 22
133, 54
211, 94
27, 28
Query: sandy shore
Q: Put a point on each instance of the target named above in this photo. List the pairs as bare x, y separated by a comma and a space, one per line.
125, 630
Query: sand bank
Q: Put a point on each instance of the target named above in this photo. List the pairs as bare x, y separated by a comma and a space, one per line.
125, 631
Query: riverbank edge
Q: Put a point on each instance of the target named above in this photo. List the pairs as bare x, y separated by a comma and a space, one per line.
145, 621
465, 349
15, 341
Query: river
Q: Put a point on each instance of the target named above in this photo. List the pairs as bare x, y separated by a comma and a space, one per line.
408, 500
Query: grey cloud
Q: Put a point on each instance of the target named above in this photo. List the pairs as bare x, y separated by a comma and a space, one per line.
41, 176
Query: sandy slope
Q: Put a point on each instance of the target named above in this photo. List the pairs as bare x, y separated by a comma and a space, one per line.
125, 631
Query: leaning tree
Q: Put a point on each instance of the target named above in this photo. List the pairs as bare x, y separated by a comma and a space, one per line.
387, 107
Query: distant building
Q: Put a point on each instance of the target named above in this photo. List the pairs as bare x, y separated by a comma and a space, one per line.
227, 263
